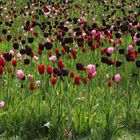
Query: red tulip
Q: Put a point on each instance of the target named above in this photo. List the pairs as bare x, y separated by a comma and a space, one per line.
92, 47
14, 62
31, 86
2, 62
63, 51
9, 69
57, 51
0, 39
90, 75
83, 49
49, 70
40, 51
41, 69
72, 74
53, 80
1, 70
109, 83
77, 80
69, 56
60, 64
49, 53
32, 54
84, 80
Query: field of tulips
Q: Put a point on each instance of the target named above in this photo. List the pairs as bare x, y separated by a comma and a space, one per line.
70, 69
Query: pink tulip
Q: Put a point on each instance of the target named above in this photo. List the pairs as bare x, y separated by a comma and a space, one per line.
93, 19
48, 40
94, 74
117, 78
1, 104
91, 68
31, 29
30, 77
19, 56
53, 58
130, 47
84, 35
93, 32
38, 82
20, 74
110, 50
36, 58
12, 52
130, 24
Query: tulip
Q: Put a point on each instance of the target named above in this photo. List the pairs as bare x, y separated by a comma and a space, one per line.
91, 68
14, 62
1, 104
20, 74
1, 70
94, 74
110, 50
49, 70
38, 82
77, 80
60, 64
36, 58
31, 86
53, 58
53, 80
30, 77
117, 78
72, 74
41, 69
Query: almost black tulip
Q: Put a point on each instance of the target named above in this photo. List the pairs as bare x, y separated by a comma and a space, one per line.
7, 56
15, 45
26, 61
22, 51
28, 50
128, 57
9, 37
138, 50
138, 35
121, 51
138, 28
23, 78
64, 72
23, 42
41, 47
104, 59
118, 63
48, 45
4, 31
57, 71
79, 66
30, 39
138, 63
118, 35
138, 43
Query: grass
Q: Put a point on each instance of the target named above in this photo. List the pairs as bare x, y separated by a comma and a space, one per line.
92, 111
